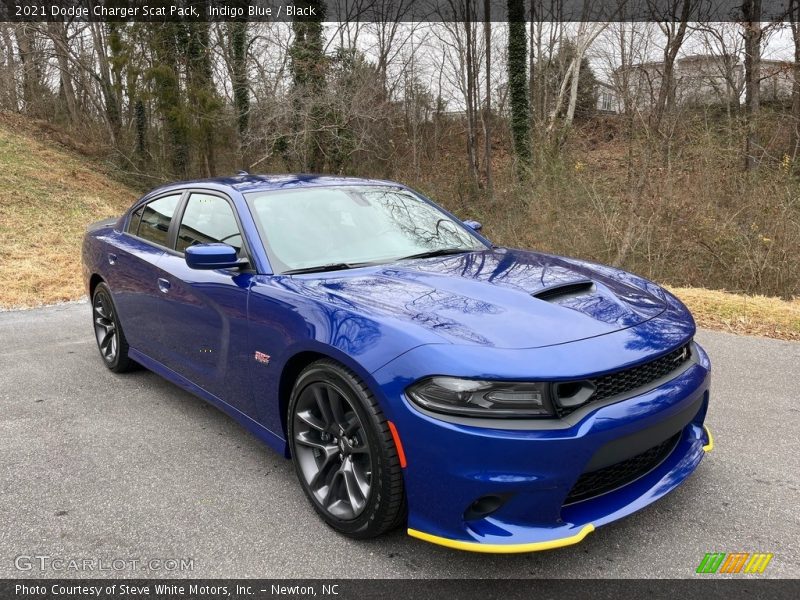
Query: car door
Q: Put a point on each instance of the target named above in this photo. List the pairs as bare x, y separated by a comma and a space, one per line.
204, 315
133, 274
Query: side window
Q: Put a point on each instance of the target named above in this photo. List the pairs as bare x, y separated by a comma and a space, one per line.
156, 217
208, 219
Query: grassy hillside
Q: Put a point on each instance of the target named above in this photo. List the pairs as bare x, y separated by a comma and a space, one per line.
739, 313
48, 194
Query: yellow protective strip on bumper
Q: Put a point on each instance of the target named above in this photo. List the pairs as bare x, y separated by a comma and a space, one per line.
710, 445
503, 548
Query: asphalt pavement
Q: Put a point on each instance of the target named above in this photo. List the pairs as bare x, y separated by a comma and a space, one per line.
108, 467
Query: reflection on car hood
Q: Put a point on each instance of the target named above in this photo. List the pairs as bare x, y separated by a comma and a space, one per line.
489, 297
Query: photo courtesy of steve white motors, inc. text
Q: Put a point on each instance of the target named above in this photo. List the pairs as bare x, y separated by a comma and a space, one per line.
146, 12
169, 589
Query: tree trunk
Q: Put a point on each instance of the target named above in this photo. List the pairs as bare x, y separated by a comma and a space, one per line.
11, 67
112, 108
518, 84
308, 70
487, 118
58, 35
471, 67
169, 99
141, 132
751, 11
202, 94
573, 92
587, 33
562, 90
31, 75
239, 81
533, 109
665, 103
794, 22
666, 91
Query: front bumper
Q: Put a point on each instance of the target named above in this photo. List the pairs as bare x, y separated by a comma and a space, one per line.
532, 471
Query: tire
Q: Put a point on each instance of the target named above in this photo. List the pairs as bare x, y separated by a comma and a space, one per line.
343, 452
108, 332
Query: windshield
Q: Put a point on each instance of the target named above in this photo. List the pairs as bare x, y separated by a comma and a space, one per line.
341, 227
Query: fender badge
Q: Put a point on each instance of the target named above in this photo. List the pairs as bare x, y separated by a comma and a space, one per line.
262, 357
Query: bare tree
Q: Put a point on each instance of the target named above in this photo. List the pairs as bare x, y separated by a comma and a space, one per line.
723, 41
587, 33
102, 74
487, 107
546, 35
32, 66
624, 47
461, 50
674, 31
391, 34
794, 23
11, 98
518, 86
752, 33
58, 35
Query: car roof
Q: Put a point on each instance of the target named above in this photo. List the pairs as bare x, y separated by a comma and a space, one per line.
246, 182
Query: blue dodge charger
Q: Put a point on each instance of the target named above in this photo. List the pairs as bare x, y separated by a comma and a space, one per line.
489, 399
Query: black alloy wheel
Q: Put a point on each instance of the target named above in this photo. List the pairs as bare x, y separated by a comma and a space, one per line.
108, 332
344, 453
331, 449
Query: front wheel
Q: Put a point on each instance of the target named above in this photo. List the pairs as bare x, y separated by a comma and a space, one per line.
343, 452
108, 332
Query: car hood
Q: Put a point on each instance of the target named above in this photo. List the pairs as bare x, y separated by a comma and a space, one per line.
500, 297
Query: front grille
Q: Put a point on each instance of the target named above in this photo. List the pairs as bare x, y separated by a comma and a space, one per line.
609, 478
631, 379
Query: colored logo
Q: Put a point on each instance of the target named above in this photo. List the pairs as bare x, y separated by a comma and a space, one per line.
736, 562
262, 357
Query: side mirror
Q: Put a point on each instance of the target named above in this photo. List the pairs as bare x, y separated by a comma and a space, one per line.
213, 256
474, 225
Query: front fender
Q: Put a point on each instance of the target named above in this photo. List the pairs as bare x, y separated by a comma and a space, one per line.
284, 323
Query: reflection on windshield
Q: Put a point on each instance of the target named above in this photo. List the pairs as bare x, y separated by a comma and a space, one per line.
320, 226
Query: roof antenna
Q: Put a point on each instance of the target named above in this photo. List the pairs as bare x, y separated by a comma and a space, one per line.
242, 172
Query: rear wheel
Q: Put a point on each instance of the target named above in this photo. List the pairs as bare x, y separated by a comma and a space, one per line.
343, 452
108, 332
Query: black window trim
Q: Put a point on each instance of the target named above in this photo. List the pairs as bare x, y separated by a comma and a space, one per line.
181, 197
177, 217
129, 224
181, 209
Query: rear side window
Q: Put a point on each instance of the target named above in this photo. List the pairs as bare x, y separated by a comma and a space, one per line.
208, 219
155, 219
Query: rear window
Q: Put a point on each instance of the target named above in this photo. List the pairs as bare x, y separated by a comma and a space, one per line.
155, 219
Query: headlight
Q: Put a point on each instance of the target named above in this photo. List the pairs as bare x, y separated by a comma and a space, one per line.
473, 398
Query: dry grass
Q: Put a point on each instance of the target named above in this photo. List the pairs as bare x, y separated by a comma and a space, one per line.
49, 196
748, 315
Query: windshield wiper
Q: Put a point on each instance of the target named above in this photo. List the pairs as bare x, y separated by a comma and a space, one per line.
342, 266
440, 252
324, 268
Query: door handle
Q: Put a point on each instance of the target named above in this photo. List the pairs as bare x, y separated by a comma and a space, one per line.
163, 285
112, 258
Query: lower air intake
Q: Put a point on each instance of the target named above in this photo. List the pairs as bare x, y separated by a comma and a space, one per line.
595, 483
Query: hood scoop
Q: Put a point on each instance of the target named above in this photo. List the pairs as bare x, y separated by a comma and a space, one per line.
565, 291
